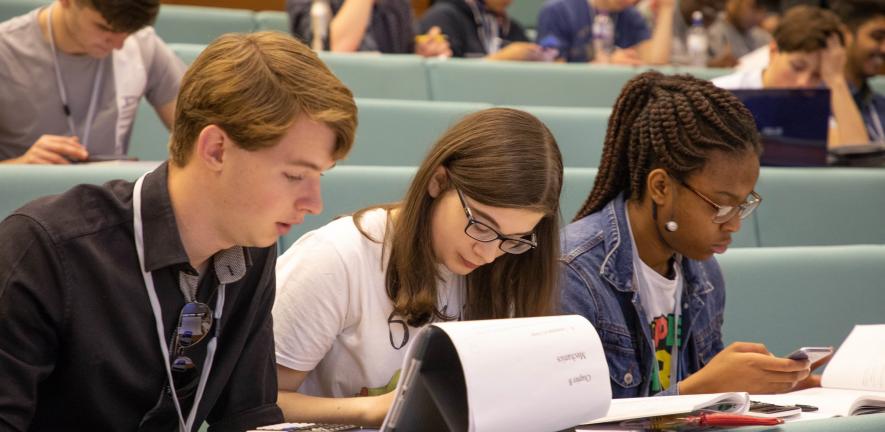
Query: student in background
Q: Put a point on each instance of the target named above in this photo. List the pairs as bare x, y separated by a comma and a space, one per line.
865, 49
808, 51
739, 31
481, 28
679, 165
570, 24
184, 258
73, 73
475, 237
387, 26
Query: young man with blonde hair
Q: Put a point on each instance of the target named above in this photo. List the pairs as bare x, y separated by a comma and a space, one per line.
118, 301
73, 74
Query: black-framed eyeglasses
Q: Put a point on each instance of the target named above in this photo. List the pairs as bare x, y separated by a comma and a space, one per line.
725, 213
484, 233
194, 323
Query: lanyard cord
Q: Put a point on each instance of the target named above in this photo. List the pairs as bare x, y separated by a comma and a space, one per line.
93, 100
877, 122
487, 28
184, 426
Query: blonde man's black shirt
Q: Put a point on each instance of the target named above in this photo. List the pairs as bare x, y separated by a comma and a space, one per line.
78, 341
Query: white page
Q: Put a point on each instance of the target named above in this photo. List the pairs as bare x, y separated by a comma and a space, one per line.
859, 364
531, 374
656, 406
830, 402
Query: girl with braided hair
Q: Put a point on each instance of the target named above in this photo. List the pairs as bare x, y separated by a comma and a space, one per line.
679, 164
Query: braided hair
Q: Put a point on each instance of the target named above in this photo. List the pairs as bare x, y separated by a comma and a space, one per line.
669, 122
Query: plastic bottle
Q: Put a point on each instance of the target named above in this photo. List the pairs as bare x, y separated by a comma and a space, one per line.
603, 37
320, 18
697, 43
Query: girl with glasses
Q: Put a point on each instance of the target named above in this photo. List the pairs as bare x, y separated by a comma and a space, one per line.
475, 237
679, 165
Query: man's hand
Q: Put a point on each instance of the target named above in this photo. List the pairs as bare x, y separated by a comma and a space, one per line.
524, 51
432, 44
832, 62
53, 149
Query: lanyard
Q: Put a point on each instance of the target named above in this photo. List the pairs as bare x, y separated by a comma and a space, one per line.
877, 123
185, 426
90, 115
487, 28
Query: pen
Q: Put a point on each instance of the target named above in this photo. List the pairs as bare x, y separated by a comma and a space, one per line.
720, 419
705, 419
426, 38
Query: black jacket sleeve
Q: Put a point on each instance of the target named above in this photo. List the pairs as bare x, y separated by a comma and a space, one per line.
32, 316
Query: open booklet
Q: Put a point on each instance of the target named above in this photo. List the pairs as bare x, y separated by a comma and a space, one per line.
526, 374
853, 382
660, 406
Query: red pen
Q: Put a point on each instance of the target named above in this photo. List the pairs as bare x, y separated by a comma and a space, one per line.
704, 419
722, 419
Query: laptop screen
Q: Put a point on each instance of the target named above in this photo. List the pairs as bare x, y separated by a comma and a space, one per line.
792, 123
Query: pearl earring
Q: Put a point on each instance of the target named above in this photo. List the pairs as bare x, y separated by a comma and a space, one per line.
671, 226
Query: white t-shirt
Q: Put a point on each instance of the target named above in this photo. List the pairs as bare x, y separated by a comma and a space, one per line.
756, 59
659, 296
331, 311
742, 79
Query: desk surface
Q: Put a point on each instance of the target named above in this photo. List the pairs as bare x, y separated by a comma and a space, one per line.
867, 423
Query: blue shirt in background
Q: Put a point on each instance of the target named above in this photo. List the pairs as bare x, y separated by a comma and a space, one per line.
570, 22
872, 109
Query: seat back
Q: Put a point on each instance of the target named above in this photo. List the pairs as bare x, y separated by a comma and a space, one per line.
272, 20
13, 8
821, 206
400, 132
200, 24
524, 83
789, 297
25, 183
372, 75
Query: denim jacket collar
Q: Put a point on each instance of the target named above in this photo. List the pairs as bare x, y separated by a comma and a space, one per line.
617, 264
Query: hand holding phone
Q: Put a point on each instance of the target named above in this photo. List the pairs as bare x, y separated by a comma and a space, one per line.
812, 354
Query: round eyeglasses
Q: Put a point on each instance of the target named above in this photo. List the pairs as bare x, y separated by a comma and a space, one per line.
484, 233
726, 213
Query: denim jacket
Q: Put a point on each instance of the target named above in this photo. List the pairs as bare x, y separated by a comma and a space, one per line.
597, 283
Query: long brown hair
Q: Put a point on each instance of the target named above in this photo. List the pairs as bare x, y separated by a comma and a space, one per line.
671, 122
499, 157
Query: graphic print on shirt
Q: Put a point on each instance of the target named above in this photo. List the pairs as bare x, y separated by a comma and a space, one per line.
664, 333
377, 391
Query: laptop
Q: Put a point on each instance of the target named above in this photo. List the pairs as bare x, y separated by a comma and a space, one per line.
792, 123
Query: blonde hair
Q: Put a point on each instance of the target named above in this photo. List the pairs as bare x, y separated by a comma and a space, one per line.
254, 86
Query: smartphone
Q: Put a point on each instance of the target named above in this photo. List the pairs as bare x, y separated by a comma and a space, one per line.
769, 410
811, 354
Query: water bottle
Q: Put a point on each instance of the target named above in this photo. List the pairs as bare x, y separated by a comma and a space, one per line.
320, 18
603, 37
697, 43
